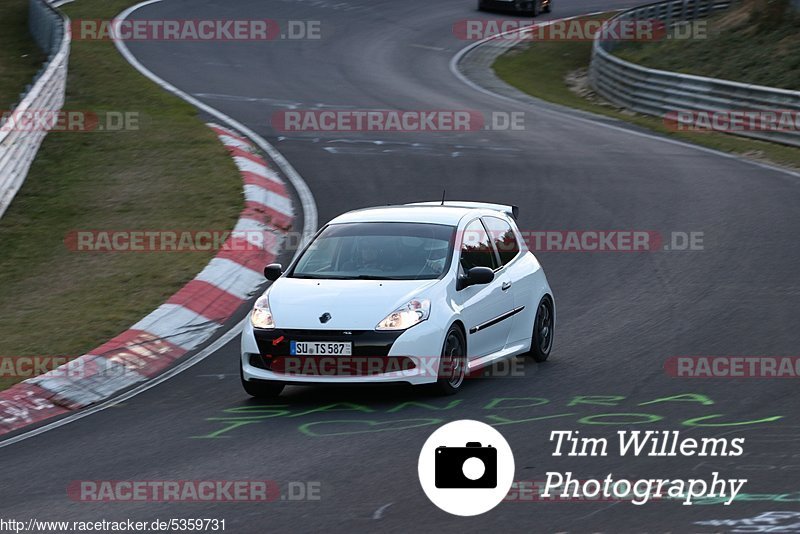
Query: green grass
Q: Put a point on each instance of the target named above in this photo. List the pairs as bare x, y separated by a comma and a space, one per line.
757, 42
541, 69
171, 173
20, 58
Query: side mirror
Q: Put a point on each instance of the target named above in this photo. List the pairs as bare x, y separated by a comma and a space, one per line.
475, 276
273, 271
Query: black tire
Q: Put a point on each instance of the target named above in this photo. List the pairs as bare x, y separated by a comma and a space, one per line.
453, 362
480, 6
536, 10
260, 389
543, 330
546, 9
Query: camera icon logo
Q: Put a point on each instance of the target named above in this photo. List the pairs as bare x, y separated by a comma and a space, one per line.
466, 467
472, 466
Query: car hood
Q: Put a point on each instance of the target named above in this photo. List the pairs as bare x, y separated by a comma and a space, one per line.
352, 304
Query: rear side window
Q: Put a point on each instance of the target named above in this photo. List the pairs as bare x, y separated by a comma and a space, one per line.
476, 250
503, 238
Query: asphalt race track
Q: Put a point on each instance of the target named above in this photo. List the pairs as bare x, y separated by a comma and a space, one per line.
620, 315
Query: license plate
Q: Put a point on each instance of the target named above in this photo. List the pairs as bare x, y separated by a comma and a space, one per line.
321, 348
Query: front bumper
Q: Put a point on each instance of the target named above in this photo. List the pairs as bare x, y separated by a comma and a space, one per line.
409, 356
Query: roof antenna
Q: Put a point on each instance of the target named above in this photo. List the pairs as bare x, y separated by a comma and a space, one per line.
443, 192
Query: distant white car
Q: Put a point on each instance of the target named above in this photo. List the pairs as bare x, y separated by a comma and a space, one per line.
421, 293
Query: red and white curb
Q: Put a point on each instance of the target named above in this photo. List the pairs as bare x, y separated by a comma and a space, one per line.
188, 319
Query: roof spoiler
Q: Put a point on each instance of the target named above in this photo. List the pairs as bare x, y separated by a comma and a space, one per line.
511, 211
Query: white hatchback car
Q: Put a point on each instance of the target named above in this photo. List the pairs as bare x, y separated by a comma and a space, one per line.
421, 293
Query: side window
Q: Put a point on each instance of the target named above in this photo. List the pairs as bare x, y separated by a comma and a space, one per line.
476, 250
503, 237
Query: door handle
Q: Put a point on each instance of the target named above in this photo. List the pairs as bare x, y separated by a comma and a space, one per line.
505, 286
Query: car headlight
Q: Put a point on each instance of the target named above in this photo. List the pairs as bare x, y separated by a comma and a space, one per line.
406, 316
261, 317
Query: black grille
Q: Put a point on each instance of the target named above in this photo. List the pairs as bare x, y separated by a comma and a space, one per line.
272, 343
370, 348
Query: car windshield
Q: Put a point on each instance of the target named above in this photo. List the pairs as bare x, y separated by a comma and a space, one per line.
378, 251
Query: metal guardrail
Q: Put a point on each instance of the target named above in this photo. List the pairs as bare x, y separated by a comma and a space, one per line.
19, 145
658, 92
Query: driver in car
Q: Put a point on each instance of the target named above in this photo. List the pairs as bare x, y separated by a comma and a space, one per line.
370, 259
